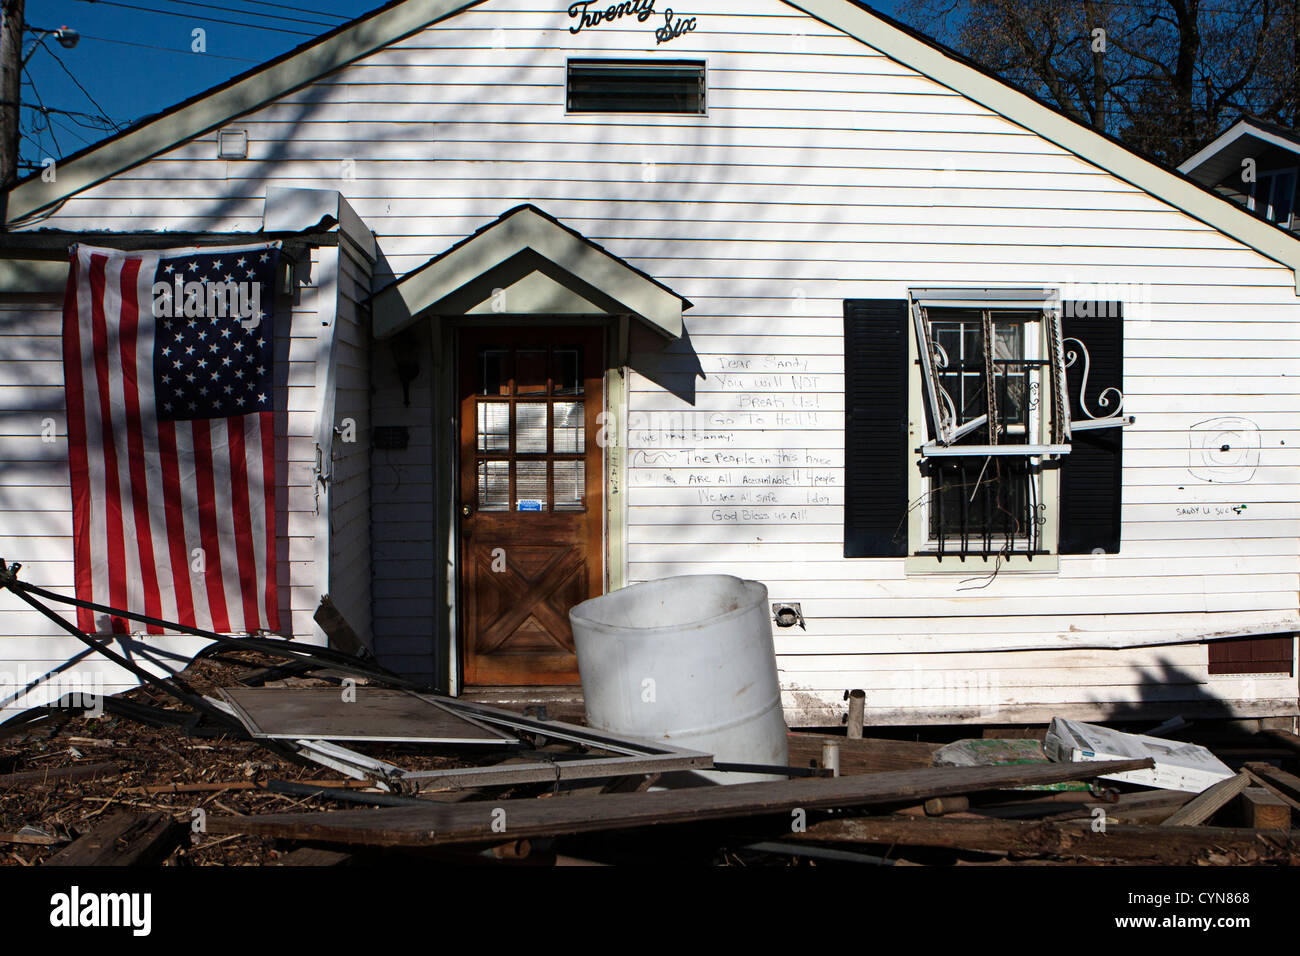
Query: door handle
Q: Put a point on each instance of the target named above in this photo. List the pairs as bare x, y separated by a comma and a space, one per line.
464, 510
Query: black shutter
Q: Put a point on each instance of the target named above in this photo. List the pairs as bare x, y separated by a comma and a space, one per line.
876, 457
1092, 471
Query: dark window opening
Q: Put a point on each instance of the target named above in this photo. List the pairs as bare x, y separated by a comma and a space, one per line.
985, 505
636, 86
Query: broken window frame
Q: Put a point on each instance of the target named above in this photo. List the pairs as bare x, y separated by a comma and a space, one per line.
943, 432
944, 435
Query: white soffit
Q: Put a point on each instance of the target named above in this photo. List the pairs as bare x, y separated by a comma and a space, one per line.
932, 61
520, 230
1233, 133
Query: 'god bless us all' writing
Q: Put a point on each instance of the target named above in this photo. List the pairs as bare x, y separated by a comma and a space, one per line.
643, 10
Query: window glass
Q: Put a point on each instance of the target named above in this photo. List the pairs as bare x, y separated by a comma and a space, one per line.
530, 428
493, 486
569, 479
530, 486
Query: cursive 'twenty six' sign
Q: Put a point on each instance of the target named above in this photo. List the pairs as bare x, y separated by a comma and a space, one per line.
643, 10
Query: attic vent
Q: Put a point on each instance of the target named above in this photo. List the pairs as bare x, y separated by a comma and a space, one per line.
636, 86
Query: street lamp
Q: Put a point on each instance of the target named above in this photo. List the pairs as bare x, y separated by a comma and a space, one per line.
67, 37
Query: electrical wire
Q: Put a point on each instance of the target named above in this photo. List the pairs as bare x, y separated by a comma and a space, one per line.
169, 49
74, 79
252, 13
197, 16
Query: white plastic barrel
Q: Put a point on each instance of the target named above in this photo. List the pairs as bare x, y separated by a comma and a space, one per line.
687, 659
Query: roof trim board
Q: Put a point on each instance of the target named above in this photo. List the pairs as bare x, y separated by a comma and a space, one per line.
526, 231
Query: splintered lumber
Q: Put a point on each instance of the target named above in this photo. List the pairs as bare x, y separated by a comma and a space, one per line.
1283, 784
1120, 842
124, 839
336, 627
488, 821
861, 754
1262, 810
1209, 802
52, 774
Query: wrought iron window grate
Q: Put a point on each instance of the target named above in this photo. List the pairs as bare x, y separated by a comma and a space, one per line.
982, 506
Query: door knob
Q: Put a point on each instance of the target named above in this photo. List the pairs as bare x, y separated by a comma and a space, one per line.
464, 509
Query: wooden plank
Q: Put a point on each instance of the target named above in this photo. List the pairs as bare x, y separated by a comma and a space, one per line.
1263, 810
123, 839
31, 839
1281, 783
861, 755
52, 774
314, 856
1072, 840
1208, 802
480, 822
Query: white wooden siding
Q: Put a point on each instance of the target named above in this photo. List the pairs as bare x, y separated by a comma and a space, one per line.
350, 507
823, 170
36, 504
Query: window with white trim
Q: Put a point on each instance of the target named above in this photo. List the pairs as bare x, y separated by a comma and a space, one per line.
992, 375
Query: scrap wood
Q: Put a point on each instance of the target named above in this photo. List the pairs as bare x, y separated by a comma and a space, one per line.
1261, 809
217, 786
861, 754
313, 856
124, 839
1284, 737
1208, 802
52, 774
1283, 784
1074, 839
444, 824
33, 838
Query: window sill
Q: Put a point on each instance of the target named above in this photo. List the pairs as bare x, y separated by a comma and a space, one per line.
976, 565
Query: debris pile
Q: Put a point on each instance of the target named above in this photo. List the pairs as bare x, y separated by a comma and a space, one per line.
270, 752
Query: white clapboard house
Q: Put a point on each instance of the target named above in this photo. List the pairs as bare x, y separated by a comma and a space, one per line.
1003, 415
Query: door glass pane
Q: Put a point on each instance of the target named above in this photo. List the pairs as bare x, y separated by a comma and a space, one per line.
530, 372
493, 371
530, 486
568, 371
569, 478
570, 437
493, 486
530, 428
493, 426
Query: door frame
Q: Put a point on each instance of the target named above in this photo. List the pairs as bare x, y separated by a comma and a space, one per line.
445, 343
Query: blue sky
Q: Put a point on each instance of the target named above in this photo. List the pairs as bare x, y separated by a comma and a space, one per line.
133, 62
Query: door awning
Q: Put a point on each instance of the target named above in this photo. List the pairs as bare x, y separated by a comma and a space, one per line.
527, 261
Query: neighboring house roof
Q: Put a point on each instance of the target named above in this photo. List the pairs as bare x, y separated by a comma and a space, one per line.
1244, 138
526, 244
399, 19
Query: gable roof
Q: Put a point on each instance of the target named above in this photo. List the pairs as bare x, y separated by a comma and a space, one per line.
523, 241
401, 18
1246, 137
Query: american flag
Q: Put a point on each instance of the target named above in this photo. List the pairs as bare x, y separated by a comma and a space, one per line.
168, 371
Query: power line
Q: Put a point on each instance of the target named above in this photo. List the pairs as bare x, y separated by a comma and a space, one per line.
169, 49
253, 13
74, 79
196, 16
48, 124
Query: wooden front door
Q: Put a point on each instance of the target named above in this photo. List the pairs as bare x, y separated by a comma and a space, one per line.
530, 499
